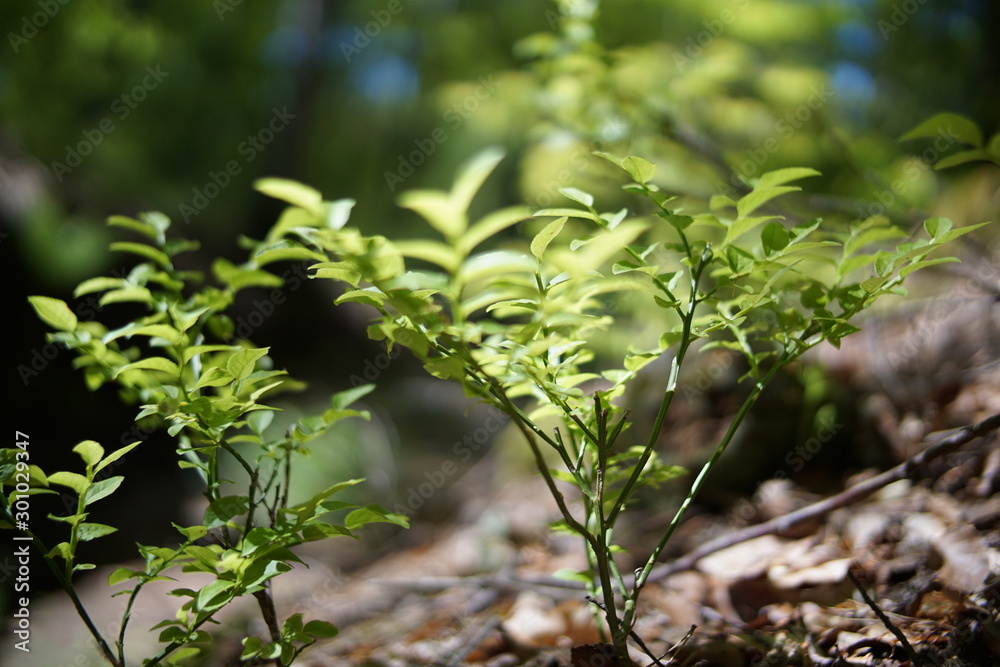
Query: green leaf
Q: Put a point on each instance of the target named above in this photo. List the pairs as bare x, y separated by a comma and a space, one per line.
97, 285
471, 177
54, 312
568, 212
446, 368
242, 363
151, 364
369, 296
961, 231
284, 251
292, 625
214, 596
782, 176
259, 572
293, 192
435, 252
916, 266
678, 222
320, 629
77, 482
885, 263
142, 227
252, 647
372, 514
90, 451
121, 574
192, 533
259, 420
937, 226
491, 225
222, 510
494, 264
307, 508
164, 331
91, 531
338, 213
321, 531
240, 277
773, 238
871, 235
344, 399
758, 197
579, 196
142, 250
127, 294
438, 209
213, 377
743, 225
625, 267
257, 539
544, 238
873, 284
61, 550
950, 126
101, 489
641, 171
961, 157
193, 351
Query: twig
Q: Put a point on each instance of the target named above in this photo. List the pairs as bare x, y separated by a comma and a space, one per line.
474, 641
842, 499
672, 651
914, 658
505, 581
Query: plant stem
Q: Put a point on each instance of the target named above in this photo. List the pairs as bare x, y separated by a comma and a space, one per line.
640, 582
668, 394
67, 586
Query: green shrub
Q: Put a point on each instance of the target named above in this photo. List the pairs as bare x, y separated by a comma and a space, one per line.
518, 324
180, 362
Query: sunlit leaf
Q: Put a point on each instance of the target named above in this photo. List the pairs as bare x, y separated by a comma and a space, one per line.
950, 126
54, 312
292, 192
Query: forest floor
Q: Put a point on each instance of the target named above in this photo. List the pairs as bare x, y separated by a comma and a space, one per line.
876, 543
850, 563
899, 566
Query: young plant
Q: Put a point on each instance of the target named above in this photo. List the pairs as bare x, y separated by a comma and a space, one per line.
192, 378
518, 326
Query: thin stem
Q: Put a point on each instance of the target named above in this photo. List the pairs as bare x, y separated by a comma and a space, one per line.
668, 395
640, 582
252, 491
174, 645
67, 586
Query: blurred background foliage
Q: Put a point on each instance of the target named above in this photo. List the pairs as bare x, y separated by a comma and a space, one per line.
178, 105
